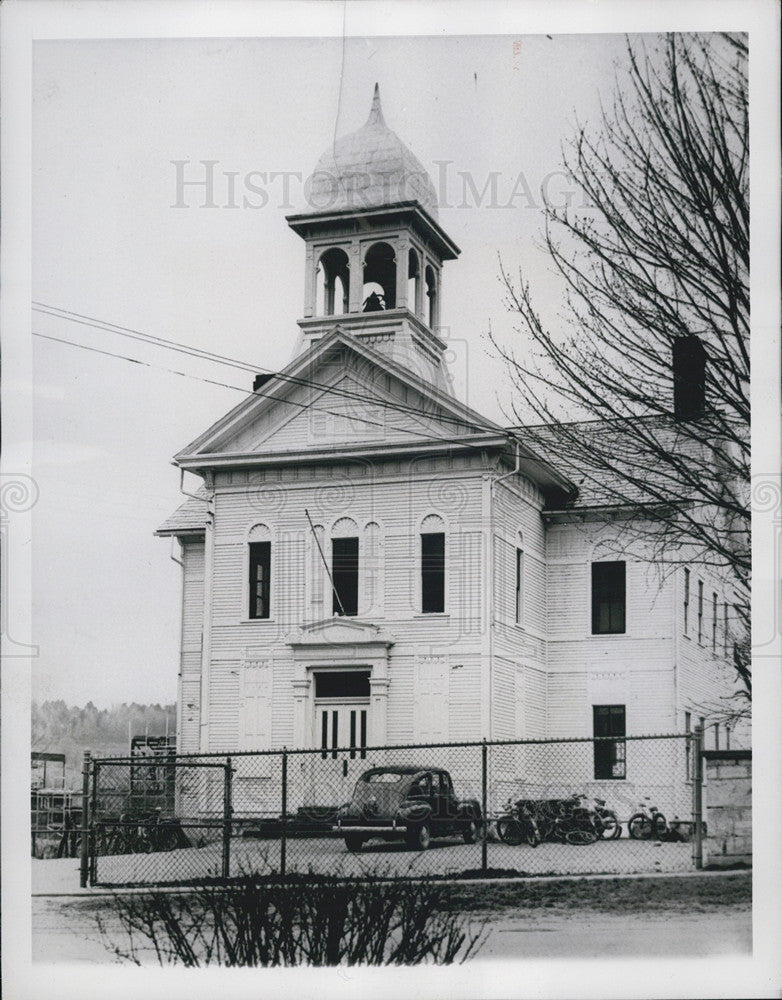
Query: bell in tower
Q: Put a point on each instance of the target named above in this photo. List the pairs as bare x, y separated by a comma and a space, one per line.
374, 249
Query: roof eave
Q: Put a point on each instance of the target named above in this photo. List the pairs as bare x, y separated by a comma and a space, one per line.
306, 222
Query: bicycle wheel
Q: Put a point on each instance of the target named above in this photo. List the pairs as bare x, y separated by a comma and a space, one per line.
640, 827
531, 833
509, 831
581, 837
609, 826
660, 826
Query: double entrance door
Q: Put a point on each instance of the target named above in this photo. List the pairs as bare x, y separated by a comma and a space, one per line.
340, 730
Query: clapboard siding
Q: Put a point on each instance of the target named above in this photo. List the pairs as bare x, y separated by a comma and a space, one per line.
504, 699
464, 697
224, 705
189, 709
311, 416
400, 698
189, 716
192, 605
533, 704
566, 699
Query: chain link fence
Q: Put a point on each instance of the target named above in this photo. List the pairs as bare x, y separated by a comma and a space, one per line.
532, 807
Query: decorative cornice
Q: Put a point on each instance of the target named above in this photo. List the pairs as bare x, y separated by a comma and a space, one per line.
340, 631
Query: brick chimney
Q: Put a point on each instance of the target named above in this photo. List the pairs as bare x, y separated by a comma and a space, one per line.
689, 379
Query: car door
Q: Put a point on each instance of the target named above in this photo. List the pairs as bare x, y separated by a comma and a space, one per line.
441, 819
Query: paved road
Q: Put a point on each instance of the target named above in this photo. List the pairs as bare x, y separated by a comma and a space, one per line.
666, 935
65, 929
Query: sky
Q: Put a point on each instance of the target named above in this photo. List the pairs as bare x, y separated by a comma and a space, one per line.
116, 237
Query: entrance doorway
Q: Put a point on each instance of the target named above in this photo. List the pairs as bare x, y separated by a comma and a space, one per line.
340, 729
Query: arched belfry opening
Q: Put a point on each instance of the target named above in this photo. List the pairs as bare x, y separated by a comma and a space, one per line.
432, 297
333, 283
378, 289
413, 282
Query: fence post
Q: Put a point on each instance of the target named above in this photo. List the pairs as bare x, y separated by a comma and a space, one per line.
697, 797
85, 819
284, 812
485, 823
227, 813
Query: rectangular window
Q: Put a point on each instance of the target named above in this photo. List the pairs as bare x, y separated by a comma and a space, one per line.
432, 573
700, 610
344, 573
260, 578
686, 600
608, 725
519, 587
714, 622
608, 598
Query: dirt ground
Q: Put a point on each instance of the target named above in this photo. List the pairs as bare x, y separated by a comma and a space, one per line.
330, 856
694, 915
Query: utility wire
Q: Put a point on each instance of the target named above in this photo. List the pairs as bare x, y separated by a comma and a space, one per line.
197, 352
291, 402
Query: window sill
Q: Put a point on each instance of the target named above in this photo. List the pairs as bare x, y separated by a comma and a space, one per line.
609, 635
431, 614
257, 621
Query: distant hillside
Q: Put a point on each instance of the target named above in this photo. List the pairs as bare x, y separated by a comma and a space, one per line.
61, 728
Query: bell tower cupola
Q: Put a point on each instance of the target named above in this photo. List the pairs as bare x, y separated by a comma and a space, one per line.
374, 250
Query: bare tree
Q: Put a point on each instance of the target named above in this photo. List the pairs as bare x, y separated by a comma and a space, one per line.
659, 264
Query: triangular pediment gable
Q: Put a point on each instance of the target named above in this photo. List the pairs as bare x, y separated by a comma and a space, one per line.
339, 392
340, 631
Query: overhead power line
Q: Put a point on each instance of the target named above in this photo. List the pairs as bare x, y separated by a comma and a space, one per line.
197, 352
291, 402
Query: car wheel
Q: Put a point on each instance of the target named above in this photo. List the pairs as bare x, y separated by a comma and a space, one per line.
419, 838
353, 842
470, 832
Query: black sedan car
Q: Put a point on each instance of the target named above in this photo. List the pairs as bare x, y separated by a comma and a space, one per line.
409, 802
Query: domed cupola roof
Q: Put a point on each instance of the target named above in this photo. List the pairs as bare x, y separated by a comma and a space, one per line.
370, 168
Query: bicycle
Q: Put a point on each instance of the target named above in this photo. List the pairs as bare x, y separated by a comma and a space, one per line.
606, 821
518, 825
566, 821
647, 822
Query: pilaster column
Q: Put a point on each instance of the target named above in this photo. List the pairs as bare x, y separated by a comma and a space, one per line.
356, 277
401, 249
309, 281
302, 716
378, 715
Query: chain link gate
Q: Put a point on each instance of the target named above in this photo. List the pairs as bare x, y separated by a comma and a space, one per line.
524, 806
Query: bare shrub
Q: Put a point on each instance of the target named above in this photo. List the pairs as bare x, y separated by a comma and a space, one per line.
325, 922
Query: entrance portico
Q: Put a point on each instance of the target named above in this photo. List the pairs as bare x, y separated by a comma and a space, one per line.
340, 645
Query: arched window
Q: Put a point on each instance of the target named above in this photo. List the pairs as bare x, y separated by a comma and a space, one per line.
414, 283
333, 281
344, 567
379, 285
431, 294
260, 564
433, 565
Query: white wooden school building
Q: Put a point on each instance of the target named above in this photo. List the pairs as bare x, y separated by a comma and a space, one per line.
372, 562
